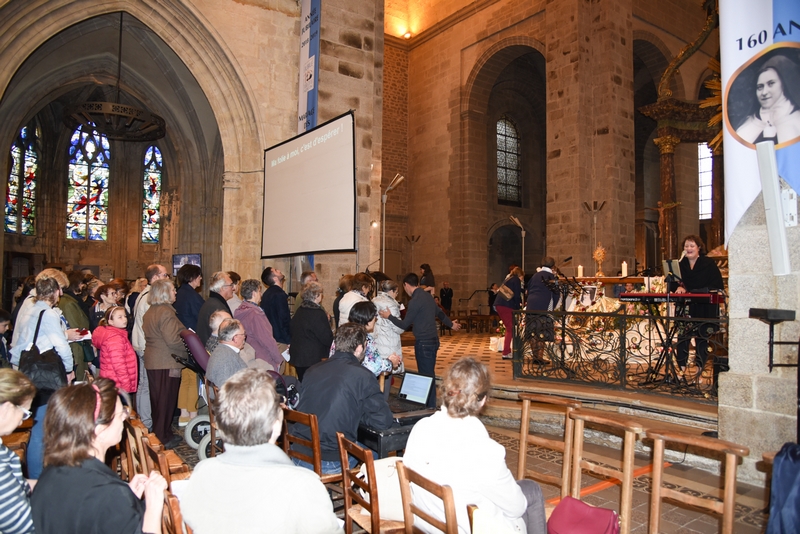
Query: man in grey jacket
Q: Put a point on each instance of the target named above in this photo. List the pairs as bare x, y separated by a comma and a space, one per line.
225, 361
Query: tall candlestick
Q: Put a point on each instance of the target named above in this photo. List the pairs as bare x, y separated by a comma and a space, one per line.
624, 269
580, 271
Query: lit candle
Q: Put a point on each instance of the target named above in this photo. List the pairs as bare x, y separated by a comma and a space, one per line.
624, 269
580, 271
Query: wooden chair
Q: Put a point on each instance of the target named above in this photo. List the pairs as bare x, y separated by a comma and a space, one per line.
445, 493
309, 420
732, 453
208, 445
372, 522
175, 462
156, 459
132, 462
18, 440
631, 428
563, 446
171, 517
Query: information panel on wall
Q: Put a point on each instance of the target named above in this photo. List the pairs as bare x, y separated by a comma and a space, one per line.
310, 192
760, 59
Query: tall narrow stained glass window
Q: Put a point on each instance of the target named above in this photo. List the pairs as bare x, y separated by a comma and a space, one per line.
704, 175
151, 204
509, 166
87, 194
21, 194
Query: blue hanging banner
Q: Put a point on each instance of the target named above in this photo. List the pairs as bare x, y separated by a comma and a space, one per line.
760, 59
310, 11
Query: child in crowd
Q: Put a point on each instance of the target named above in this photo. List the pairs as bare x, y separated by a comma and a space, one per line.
117, 358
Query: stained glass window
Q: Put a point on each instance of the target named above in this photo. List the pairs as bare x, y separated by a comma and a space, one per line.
509, 165
704, 174
87, 195
151, 204
21, 193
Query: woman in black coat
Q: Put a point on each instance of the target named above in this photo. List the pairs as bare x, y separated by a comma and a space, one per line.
311, 330
542, 298
699, 274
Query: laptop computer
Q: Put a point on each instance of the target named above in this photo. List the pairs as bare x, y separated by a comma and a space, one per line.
412, 396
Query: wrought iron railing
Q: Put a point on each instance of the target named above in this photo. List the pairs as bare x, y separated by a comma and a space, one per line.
621, 350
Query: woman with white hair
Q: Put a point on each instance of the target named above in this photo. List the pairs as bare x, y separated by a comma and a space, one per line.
453, 447
162, 328
237, 491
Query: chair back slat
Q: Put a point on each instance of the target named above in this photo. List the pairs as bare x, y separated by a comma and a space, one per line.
289, 438
213, 393
408, 476
631, 429
369, 485
134, 455
171, 516
732, 451
155, 460
563, 446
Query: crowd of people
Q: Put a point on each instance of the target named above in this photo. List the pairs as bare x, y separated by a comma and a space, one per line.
127, 338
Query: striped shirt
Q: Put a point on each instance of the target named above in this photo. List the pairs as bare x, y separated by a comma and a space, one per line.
15, 505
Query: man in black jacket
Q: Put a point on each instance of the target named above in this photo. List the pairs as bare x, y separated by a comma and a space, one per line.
422, 313
342, 394
220, 291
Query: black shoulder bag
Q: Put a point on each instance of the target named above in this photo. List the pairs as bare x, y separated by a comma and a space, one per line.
45, 369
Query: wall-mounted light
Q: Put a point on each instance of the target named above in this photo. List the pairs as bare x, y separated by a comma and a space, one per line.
374, 224
407, 35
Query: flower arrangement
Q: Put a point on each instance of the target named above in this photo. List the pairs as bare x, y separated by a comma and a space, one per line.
501, 330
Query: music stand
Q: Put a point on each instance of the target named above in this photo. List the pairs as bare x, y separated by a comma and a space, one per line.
672, 272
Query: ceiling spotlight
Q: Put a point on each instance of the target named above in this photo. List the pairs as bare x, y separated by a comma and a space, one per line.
407, 35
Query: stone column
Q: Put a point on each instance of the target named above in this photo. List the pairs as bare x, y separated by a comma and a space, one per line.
668, 228
590, 130
715, 237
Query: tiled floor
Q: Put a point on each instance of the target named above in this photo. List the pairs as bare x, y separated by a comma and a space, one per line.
751, 505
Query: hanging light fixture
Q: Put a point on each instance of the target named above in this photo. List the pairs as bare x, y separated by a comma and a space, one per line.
116, 120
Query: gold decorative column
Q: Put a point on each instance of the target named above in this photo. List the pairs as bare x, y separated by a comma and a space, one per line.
669, 228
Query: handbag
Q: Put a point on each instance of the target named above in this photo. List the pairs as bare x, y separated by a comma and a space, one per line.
388, 484
45, 369
506, 291
572, 516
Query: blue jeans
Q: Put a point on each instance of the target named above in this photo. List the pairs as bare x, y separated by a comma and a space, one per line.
330, 467
425, 353
35, 452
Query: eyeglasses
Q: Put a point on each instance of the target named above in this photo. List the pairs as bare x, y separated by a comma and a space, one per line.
26, 414
125, 413
245, 336
229, 285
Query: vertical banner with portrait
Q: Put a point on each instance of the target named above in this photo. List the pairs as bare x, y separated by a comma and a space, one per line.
760, 59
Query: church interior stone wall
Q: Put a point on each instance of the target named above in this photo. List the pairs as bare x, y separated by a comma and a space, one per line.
570, 73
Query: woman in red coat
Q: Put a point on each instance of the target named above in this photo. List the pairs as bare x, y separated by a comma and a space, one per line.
117, 358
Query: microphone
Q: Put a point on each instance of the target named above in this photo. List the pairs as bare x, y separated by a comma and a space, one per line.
683, 255
568, 259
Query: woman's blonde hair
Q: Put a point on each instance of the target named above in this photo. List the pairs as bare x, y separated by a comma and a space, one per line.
15, 387
464, 387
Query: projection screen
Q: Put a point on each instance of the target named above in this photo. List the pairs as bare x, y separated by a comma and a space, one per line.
310, 192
